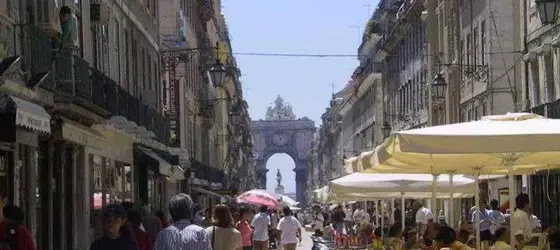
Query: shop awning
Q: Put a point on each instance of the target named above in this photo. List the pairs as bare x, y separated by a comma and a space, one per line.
31, 115
120, 145
164, 167
207, 192
84, 135
178, 173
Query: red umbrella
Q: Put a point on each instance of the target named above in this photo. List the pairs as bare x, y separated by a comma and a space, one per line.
258, 197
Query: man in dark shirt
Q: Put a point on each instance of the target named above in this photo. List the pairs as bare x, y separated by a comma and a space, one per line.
338, 219
19, 238
115, 219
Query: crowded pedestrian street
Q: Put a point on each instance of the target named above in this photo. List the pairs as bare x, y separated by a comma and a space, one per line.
288, 125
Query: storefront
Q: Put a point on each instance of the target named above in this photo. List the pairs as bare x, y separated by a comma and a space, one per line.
111, 177
205, 181
23, 125
154, 171
77, 150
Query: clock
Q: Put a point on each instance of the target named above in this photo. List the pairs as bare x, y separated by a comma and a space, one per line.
280, 139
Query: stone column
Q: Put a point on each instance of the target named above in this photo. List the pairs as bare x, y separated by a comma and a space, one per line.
301, 184
530, 59
542, 52
556, 66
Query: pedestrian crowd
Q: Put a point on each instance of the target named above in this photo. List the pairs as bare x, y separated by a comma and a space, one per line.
194, 228
425, 231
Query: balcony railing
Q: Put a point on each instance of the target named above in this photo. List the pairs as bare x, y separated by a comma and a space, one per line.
71, 76
39, 58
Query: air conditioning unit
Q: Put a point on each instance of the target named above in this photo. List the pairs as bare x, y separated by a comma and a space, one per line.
49, 19
100, 13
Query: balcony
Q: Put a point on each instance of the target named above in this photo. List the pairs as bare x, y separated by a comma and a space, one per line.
74, 81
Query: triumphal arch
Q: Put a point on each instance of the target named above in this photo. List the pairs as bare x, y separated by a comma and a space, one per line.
282, 132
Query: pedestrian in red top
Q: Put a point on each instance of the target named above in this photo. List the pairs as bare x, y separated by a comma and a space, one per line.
12, 235
143, 239
162, 219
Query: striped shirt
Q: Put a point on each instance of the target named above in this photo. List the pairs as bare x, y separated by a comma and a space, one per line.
182, 235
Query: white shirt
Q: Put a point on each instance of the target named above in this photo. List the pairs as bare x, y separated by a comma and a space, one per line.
497, 219
521, 225
225, 239
260, 223
360, 215
318, 221
535, 222
348, 214
424, 215
289, 226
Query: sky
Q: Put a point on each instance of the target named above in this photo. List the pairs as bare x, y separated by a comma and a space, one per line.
294, 27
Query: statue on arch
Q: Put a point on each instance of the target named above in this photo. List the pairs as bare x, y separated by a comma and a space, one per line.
279, 187
280, 111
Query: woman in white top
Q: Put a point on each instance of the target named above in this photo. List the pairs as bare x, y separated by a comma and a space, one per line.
223, 235
289, 228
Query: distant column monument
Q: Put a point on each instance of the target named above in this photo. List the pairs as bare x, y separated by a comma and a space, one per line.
279, 187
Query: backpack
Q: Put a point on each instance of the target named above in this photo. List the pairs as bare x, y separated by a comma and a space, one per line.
10, 241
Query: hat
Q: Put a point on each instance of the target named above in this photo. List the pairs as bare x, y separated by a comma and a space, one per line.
115, 210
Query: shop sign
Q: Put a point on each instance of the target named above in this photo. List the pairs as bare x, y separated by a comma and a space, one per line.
174, 112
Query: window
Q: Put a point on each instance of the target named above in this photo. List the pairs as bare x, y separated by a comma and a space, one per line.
468, 51
127, 61
483, 42
95, 46
475, 45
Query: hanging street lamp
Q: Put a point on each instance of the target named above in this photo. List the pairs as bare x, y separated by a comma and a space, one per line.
217, 74
548, 10
439, 86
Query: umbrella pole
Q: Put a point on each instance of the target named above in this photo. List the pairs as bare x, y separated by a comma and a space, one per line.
393, 210
376, 213
402, 211
512, 195
382, 219
434, 192
451, 216
477, 211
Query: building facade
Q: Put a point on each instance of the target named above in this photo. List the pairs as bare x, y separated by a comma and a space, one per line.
87, 102
539, 93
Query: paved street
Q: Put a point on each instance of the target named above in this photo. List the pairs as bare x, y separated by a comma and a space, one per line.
306, 242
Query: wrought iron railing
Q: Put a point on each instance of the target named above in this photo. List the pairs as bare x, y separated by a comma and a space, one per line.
39, 57
111, 95
98, 88
73, 77
82, 78
63, 72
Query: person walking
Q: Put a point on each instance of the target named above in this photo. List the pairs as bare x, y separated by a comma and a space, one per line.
245, 215
182, 234
143, 239
261, 224
16, 235
115, 237
289, 228
222, 234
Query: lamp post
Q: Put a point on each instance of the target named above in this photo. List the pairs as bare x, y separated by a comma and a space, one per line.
548, 10
439, 87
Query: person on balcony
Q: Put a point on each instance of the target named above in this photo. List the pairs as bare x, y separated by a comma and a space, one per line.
68, 26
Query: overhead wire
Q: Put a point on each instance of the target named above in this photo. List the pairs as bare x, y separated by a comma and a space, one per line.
319, 55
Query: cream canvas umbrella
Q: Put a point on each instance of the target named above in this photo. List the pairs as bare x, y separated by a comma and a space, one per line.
384, 182
517, 143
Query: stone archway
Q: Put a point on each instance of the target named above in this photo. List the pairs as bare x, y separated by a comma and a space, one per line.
282, 132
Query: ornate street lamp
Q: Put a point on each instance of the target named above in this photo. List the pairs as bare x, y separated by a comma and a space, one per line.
386, 129
439, 86
217, 74
548, 10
